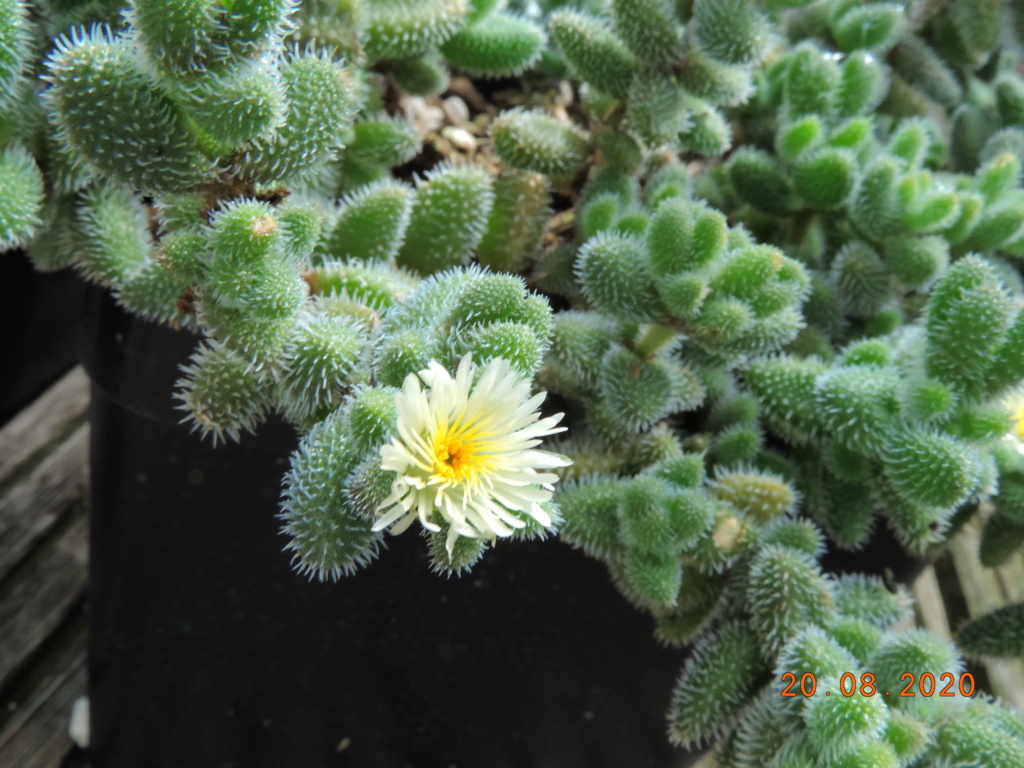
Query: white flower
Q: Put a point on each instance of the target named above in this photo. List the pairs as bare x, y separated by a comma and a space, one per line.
467, 453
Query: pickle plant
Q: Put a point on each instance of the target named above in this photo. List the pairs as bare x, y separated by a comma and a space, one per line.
766, 259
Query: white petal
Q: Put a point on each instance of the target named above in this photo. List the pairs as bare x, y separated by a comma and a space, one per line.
537, 513
388, 518
449, 543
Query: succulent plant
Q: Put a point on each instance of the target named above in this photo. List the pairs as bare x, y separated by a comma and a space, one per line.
765, 257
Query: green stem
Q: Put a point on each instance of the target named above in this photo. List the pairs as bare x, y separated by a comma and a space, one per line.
655, 337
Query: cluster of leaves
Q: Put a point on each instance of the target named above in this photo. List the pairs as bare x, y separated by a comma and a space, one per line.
826, 320
241, 187
884, 398
667, 69
910, 419
647, 275
725, 564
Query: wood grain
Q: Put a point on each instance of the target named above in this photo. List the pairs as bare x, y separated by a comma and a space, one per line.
35, 734
30, 507
43, 423
43, 555
40, 594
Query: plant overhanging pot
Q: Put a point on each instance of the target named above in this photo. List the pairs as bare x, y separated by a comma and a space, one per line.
208, 649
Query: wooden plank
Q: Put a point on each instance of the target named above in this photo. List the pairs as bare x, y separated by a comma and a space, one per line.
931, 609
983, 592
33, 505
52, 414
41, 592
35, 734
1011, 577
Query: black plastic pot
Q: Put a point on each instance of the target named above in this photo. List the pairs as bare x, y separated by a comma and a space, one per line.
41, 314
208, 650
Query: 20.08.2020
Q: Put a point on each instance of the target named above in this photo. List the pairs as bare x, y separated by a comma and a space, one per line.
848, 684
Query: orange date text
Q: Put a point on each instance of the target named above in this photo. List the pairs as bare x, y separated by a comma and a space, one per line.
926, 684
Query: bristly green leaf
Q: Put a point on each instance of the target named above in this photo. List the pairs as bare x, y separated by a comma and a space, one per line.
189, 35
500, 45
657, 110
813, 651
867, 598
419, 75
860, 278
15, 34
237, 104
517, 221
534, 141
976, 741
590, 508
761, 496
731, 31
826, 178
649, 28
448, 218
384, 141
811, 82
786, 591
21, 204
875, 27
463, 556
403, 29
597, 55
857, 404
923, 68
875, 209
322, 102
612, 271
144, 142
724, 669
916, 651
967, 315
784, 387
371, 223
863, 85
758, 180
637, 392
328, 536
840, 724
917, 262
795, 138
998, 633
709, 133
725, 85
221, 395
114, 235
318, 364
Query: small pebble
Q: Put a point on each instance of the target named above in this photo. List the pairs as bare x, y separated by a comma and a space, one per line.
426, 117
455, 110
460, 138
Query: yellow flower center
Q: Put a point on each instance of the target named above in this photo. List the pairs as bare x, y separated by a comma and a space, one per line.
1014, 404
457, 454
1017, 413
452, 458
